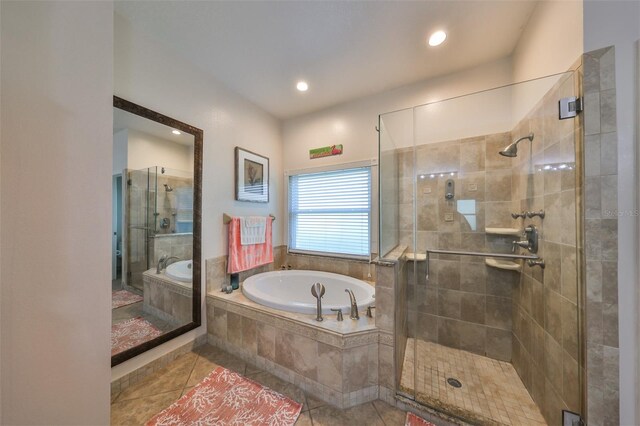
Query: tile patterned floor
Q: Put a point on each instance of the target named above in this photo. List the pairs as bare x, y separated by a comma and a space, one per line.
491, 392
135, 310
138, 403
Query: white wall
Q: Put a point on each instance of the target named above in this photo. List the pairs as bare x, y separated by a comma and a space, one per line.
145, 150
148, 74
551, 41
120, 150
56, 109
353, 124
617, 23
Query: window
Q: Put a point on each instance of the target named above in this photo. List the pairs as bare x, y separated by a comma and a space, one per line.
330, 212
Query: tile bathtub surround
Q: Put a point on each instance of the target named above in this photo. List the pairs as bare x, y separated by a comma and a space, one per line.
545, 348
359, 269
601, 237
178, 245
336, 362
167, 299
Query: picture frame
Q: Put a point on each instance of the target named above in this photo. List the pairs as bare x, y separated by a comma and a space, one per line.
251, 176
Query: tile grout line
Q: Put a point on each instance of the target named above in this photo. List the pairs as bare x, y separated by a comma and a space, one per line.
378, 413
193, 367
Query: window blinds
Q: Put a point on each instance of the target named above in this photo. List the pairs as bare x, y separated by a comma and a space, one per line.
330, 212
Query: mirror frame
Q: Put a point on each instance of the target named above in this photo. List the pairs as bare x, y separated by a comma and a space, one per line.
197, 226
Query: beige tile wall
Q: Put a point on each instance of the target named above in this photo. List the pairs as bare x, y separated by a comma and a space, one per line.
216, 268
178, 245
465, 304
601, 237
167, 205
545, 302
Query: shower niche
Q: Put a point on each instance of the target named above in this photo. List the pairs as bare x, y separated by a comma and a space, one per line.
487, 324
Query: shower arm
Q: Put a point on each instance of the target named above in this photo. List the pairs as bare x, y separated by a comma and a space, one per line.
477, 254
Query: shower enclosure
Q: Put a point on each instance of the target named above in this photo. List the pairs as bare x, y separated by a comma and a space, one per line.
487, 301
158, 203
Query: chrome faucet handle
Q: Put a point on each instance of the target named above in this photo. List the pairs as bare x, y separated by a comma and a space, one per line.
518, 215
339, 311
369, 309
536, 262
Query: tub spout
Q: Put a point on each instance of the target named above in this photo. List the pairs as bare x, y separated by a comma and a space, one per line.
162, 262
354, 305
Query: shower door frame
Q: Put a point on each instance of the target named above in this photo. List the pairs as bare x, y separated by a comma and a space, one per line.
579, 241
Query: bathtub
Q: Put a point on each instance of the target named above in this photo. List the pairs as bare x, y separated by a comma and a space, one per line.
291, 291
179, 271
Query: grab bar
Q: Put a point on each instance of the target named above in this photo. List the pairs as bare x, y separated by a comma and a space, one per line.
478, 254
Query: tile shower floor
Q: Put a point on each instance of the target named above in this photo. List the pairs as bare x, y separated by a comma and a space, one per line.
491, 392
141, 401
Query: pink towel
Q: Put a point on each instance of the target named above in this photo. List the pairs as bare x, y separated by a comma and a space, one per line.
250, 256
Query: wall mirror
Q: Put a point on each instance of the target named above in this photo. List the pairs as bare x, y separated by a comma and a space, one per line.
157, 180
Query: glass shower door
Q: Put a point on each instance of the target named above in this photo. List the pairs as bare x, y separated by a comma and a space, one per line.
490, 339
140, 220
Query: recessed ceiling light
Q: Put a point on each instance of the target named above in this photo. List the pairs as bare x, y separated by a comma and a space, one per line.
302, 86
175, 132
437, 38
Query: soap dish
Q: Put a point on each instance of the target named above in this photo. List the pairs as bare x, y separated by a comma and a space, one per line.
508, 265
503, 231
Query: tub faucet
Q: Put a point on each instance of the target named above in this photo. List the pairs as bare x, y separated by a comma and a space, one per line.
354, 305
162, 263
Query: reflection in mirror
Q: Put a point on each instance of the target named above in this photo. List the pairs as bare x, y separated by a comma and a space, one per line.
155, 229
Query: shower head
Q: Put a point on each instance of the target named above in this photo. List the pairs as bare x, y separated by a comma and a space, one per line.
511, 150
167, 188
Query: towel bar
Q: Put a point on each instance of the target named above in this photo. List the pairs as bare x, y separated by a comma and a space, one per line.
226, 218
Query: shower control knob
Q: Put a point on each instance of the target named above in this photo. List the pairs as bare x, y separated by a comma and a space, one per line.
518, 215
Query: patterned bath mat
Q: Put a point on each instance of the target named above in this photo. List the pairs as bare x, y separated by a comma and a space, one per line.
123, 298
227, 398
130, 333
413, 420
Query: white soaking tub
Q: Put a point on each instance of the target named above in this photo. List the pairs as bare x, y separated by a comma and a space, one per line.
291, 291
180, 271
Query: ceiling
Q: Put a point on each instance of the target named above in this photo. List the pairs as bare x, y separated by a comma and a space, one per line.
345, 49
126, 120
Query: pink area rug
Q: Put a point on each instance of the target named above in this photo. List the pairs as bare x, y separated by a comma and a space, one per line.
123, 298
130, 333
413, 420
227, 398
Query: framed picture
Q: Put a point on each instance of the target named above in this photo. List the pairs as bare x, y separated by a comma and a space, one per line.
252, 177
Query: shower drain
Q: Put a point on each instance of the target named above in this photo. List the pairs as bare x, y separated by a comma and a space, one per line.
454, 382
